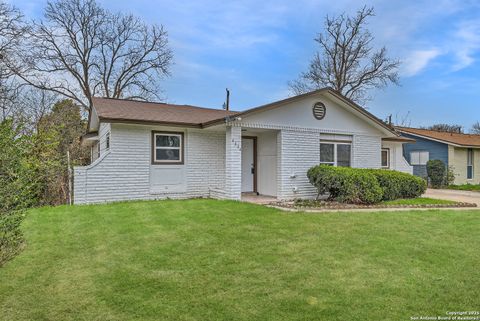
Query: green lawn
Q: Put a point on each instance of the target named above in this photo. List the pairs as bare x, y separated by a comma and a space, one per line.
222, 260
418, 201
466, 187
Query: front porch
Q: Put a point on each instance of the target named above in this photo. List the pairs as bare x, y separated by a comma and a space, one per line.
251, 164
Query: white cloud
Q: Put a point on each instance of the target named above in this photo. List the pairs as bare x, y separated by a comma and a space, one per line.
466, 44
418, 60
212, 25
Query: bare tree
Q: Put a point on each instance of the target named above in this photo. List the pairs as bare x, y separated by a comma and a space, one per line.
81, 50
347, 61
33, 104
476, 128
12, 30
403, 120
458, 129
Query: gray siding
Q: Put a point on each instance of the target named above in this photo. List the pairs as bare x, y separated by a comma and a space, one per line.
437, 151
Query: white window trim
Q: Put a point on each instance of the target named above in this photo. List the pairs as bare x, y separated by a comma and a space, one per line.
384, 149
470, 163
334, 143
180, 148
107, 141
419, 163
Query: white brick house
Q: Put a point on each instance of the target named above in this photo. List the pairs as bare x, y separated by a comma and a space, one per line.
152, 150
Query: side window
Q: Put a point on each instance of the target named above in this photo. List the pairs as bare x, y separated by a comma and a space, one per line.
335, 154
385, 158
107, 141
327, 154
344, 155
470, 163
167, 148
419, 157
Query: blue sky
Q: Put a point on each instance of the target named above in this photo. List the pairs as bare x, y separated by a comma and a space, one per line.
255, 47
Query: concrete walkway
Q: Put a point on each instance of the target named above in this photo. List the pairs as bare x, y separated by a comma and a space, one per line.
258, 199
453, 195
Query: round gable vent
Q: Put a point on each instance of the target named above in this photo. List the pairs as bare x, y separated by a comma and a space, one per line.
319, 110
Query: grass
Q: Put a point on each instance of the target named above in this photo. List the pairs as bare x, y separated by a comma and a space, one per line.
419, 201
223, 260
466, 187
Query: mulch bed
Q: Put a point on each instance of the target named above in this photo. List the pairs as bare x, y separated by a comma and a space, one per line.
329, 205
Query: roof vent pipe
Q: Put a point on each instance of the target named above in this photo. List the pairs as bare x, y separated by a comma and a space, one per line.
226, 105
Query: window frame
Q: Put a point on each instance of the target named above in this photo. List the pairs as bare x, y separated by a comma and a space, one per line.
419, 152
470, 162
181, 148
335, 152
107, 141
385, 149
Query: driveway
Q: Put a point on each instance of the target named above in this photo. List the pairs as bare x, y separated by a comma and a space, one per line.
453, 195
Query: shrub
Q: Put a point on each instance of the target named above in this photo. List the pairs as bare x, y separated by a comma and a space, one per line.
346, 185
17, 187
436, 172
396, 185
413, 187
364, 186
450, 176
323, 177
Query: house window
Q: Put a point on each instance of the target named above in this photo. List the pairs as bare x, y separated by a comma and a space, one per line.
167, 148
98, 150
419, 157
335, 154
107, 141
327, 154
385, 158
470, 163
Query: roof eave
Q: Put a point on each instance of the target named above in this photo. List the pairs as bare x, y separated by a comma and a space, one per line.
149, 122
399, 139
439, 140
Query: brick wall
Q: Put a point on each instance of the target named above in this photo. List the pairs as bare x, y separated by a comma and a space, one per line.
123, 172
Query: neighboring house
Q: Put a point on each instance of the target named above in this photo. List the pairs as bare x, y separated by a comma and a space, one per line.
460, 152
146, 150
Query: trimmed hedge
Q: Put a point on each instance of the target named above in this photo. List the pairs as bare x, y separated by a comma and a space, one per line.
364, 186
398, 185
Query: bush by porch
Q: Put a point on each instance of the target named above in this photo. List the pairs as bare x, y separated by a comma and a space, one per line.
364, 186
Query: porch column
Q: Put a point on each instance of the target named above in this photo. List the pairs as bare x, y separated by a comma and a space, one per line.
233, 163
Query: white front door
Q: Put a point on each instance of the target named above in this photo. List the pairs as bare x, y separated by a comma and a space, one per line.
248, 169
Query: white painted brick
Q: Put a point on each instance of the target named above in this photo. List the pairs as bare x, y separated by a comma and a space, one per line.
366, 151
212, 164
233, 163
123, 172
296, 153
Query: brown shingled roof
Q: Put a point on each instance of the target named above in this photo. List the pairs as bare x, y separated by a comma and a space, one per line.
467, 140
131, 111
119, 110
